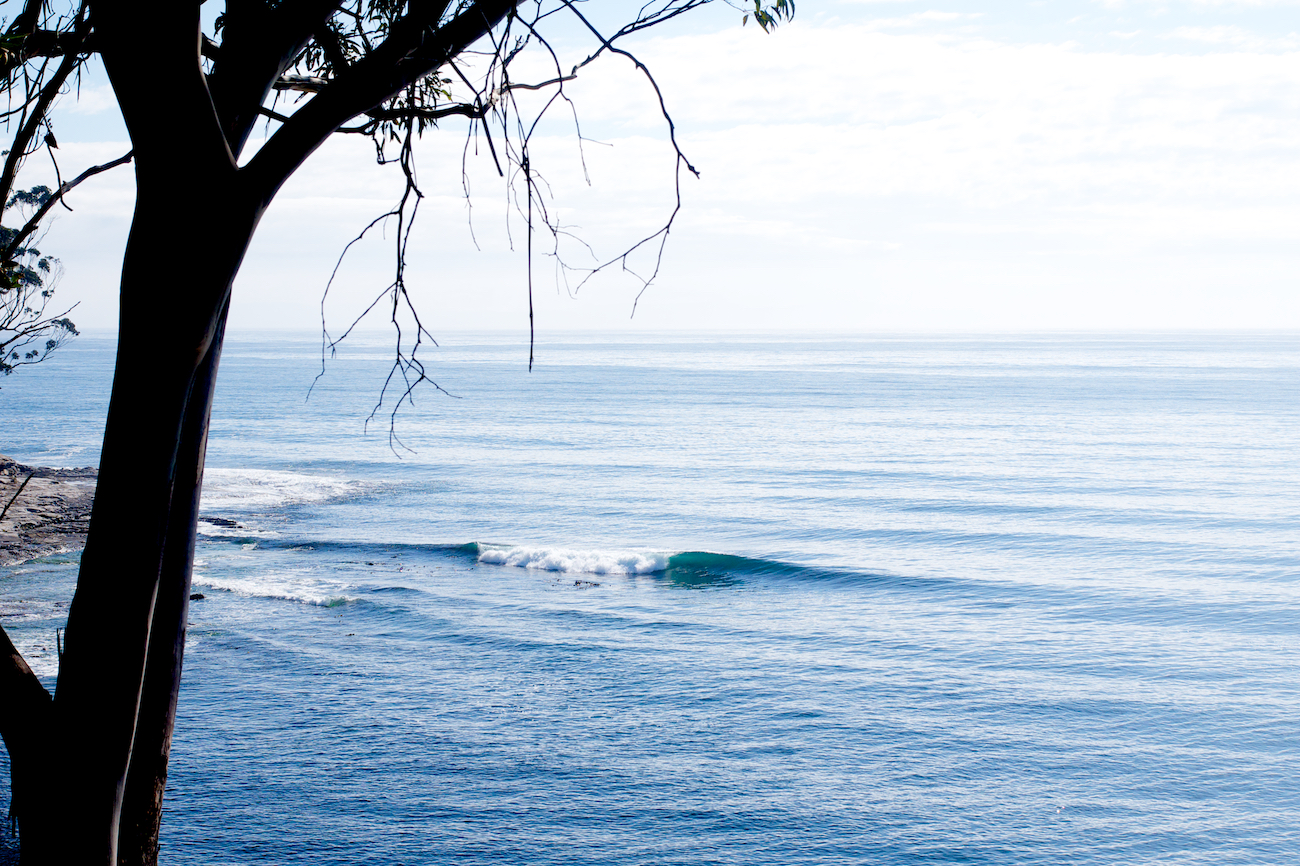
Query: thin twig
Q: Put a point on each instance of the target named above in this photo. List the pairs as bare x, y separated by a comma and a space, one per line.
14, 498
58, 195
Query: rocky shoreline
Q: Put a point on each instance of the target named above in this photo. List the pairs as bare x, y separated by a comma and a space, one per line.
45, 511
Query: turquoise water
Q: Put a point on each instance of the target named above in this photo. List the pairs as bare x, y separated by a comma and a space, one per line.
731, 599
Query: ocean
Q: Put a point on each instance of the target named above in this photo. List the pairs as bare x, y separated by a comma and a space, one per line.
728, 599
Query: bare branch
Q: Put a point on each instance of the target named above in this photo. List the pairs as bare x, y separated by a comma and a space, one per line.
35, 116
301, 83
492, 109
540, 86
274, 115
608, 45
30, 226
426, 113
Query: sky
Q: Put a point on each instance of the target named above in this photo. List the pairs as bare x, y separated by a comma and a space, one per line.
887, 165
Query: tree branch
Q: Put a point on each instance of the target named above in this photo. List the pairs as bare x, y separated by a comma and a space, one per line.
24, 702
608, 45
24, 31
34, 119
17, 493
331, 47
25, 711
540, 86
416, 46
27, 19
151, 54
44, 43
424, 113
301, 83
208, 48
36, 218
260, 43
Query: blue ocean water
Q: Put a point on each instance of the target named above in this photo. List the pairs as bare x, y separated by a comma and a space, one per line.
716, 599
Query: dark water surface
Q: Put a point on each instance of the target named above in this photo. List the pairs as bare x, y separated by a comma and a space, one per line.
750, 600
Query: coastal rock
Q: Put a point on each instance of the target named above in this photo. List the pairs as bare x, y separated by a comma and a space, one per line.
45, 510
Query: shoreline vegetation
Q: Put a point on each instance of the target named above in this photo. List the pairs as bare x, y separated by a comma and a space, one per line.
44, 511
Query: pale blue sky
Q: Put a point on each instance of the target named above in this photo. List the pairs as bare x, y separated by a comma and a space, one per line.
874, 166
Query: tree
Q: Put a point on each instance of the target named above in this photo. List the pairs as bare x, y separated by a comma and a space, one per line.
383, 68
29, 330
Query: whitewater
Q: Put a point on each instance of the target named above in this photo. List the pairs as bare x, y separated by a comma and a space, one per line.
728, 599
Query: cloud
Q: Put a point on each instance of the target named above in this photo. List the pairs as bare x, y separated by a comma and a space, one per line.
1202, 4
1237, 38
918, 19
90, 99
858, 163
960, 155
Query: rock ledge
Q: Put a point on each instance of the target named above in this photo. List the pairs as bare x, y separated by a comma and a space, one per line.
49, 515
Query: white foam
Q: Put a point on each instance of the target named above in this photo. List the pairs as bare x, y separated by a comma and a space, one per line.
255, 489
287, 587
579, 561
36, 644
20, 611
212, 530
63, 458
41, 654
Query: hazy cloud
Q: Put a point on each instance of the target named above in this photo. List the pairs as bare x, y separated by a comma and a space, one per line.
897, 179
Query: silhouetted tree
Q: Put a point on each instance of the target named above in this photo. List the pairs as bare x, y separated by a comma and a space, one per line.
29, 330
381, 68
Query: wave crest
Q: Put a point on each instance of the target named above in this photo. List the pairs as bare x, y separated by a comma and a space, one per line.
575, 561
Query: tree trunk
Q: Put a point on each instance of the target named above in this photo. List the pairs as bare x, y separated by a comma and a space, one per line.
147, 773
116, 699
24, 725
115, 703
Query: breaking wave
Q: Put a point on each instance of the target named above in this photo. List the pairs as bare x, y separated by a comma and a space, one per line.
286, 587
686, 567
259, 489
577, 561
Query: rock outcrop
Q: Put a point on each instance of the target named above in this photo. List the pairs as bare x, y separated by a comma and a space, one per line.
45, 510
